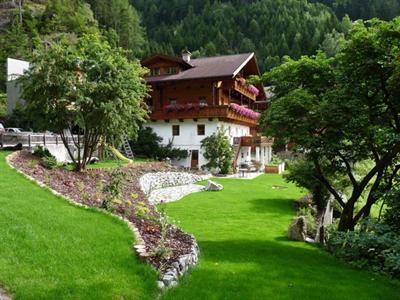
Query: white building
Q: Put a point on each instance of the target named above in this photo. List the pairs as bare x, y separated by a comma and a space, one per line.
192, 98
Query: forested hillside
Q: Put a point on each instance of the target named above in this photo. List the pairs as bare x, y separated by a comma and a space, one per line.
272, 28
365, 9
39, 22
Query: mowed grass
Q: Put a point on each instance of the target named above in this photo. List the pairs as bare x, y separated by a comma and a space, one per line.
114, 163
50, 249
245, 253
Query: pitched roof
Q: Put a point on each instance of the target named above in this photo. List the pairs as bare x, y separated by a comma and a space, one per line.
207, 67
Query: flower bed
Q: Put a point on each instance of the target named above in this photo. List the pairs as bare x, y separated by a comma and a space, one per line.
94, 186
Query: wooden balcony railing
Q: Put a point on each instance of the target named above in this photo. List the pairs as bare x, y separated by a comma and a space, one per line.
222, 112
242, 89
250, 141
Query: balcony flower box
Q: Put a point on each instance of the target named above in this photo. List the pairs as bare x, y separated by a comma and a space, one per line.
244, 111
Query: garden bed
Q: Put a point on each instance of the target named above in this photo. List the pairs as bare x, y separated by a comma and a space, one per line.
87, 188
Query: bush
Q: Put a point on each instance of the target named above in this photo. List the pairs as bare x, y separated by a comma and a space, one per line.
392, 214
49, 162
218, 152
372, 245
42, 152
309, 214
148, 144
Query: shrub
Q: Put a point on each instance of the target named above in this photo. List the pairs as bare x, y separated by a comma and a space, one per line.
148, 144
372, 245
392, 214
42, 152
218, 152
309, 214
49, 162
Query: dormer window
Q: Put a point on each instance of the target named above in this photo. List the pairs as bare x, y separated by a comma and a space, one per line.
155, 72
172, 70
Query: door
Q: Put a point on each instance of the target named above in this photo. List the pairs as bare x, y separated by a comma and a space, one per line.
195, 159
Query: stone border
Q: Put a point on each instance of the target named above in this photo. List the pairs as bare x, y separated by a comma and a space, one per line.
167, 279
178, 268
4, 295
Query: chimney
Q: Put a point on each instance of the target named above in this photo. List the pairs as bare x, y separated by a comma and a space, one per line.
186, 55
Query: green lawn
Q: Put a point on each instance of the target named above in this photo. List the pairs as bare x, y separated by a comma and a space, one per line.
246, 255
50, 249
113, 163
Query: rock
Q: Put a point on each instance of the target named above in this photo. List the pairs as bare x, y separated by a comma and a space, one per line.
213, 186
167, 279
160, 284
297, 229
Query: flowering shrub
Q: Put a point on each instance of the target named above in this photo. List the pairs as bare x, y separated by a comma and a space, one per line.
243, 111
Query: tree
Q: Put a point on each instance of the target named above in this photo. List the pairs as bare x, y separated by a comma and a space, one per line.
87, 87
148, 144
342, 111
218, 151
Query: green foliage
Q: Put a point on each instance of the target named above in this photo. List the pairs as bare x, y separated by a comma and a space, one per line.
218, 151
372, 245
310, 215
148, 144
271, 28
86, 85
392, 213
41, 152
113, 190
21, 117
303, 174
49, 162
120, 17
365, 9
323, 105
3, 105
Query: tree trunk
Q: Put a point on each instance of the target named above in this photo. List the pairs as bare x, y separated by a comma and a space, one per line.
346, 222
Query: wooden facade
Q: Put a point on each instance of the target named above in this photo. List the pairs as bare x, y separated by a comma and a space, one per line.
198, 89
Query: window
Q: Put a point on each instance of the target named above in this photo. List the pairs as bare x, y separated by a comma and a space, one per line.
155, 72
175, 130
172, 70
203, 101
201, 129
172, 101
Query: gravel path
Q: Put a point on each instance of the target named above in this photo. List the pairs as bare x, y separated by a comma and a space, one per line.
174, 193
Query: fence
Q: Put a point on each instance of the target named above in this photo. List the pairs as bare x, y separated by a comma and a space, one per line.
30, 140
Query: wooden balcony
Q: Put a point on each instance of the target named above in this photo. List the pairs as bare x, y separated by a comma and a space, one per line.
253, 141
222, 112
242, 89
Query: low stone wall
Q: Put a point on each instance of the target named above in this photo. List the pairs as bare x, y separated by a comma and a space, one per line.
184, 262
154, 181
161, 180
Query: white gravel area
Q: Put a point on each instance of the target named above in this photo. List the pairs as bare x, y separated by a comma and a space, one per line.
175, 193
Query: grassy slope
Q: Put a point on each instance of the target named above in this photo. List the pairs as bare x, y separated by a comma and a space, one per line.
113, 163
246, 255
53, 250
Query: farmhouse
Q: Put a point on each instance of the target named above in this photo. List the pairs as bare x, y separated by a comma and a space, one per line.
192, 98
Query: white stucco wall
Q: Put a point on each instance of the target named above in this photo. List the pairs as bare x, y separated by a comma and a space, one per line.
188, 138
15, 68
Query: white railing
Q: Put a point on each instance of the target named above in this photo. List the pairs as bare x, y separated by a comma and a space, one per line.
30, 140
